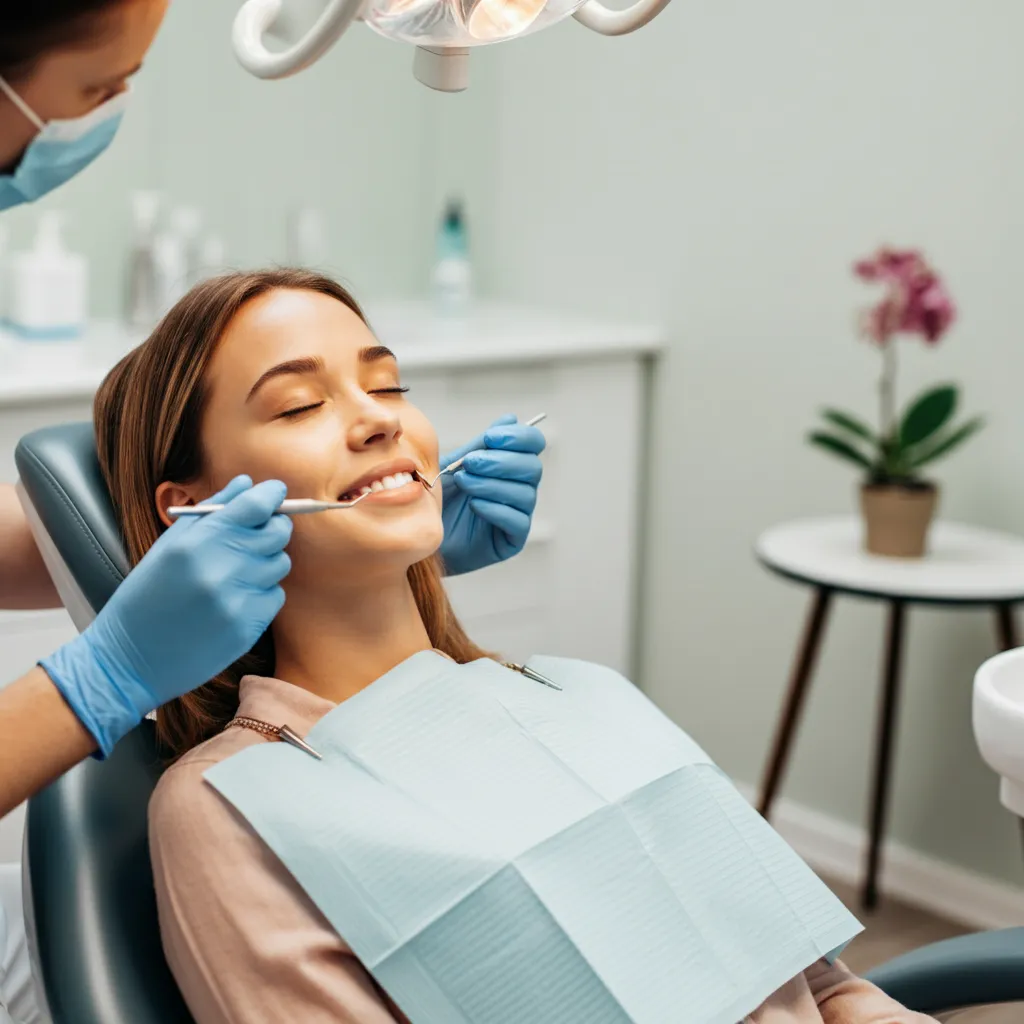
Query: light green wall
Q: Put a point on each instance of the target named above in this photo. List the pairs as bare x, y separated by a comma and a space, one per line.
718, 171
355, 136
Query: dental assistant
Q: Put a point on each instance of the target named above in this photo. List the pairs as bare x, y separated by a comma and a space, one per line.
209, 587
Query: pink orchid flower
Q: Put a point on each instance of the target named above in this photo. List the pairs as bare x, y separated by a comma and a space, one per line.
915, 302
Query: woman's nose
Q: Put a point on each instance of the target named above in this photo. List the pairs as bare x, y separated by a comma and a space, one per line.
375, 423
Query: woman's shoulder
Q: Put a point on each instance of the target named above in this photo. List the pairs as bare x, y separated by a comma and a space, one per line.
182, 791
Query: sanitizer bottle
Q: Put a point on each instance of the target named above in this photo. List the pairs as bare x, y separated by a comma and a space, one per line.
453, 278
48, 287
142, 300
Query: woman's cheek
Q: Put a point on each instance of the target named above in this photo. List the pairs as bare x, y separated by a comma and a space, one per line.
301, 470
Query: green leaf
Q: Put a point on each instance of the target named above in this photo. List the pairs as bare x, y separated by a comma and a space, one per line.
945, 445
847, 422
837, 446
928, 414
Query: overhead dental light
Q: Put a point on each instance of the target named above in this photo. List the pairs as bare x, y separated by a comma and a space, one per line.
443, 31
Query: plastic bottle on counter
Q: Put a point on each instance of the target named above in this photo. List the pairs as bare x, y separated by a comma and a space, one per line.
48, 287
212, 257
141, 301
453, 276
306, 241
171, 262
187, 224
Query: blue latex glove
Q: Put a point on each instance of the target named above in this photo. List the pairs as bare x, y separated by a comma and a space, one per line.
199, 599
489, 501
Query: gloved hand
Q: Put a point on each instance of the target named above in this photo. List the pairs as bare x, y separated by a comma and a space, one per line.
489, 501
200, 598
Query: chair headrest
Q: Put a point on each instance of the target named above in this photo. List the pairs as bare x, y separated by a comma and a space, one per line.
72, 518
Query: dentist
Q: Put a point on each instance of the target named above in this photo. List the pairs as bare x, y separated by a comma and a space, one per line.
209, 587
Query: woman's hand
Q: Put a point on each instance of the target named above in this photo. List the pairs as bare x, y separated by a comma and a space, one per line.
489, 501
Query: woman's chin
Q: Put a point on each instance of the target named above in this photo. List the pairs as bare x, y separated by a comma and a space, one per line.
392, 535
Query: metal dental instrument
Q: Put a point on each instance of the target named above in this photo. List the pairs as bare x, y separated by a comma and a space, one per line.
452, 466
531, 673
303, 506
288, 507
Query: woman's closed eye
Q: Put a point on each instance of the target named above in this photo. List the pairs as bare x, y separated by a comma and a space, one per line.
395, 389
299, 410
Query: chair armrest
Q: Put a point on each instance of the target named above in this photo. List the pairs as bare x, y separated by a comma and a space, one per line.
972, 970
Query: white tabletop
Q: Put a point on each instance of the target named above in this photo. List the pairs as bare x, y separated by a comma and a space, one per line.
964, 564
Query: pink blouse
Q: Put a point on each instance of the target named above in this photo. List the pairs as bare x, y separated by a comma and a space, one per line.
247, 946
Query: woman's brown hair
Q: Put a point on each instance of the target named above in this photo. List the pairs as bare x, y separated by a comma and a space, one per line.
148, 414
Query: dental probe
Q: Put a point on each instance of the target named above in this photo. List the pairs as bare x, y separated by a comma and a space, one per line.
452, 466
303, 506
288, 507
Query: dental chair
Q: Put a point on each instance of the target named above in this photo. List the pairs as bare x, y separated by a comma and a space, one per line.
89, 902
88, 886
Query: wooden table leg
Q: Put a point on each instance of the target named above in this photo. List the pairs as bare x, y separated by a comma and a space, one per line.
887, 717
801, 676
1006, 628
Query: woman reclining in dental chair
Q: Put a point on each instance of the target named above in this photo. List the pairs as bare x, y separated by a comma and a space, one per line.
457, 840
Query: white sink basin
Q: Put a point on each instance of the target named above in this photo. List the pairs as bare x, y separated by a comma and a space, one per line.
999, 723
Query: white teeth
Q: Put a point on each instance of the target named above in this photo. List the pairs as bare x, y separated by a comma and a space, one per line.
385, 483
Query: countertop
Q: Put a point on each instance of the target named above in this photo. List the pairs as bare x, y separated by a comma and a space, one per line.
33, 372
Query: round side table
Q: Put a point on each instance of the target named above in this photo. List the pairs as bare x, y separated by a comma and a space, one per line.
965, 566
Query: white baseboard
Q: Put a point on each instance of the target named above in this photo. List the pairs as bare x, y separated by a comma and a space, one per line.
837, 849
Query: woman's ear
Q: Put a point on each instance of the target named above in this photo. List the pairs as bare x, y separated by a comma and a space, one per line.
168, 494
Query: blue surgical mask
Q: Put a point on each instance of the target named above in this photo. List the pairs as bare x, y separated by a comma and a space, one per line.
60, 150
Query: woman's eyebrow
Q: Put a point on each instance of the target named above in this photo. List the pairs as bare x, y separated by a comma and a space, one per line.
303, 365
375, 352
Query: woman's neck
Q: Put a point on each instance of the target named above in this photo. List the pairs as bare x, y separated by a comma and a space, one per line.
336, 644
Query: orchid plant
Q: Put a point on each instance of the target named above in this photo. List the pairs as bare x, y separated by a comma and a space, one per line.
915, 302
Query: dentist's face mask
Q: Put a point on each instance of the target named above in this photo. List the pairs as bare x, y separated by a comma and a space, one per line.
60, 150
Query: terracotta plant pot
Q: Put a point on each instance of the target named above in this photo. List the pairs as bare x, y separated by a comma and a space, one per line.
896, 518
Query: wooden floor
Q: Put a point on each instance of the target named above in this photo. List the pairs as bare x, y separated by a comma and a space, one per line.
894, 929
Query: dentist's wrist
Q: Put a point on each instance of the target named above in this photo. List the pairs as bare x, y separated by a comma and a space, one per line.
92, 690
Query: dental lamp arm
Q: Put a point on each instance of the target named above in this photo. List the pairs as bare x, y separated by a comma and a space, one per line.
602, 19
256, 16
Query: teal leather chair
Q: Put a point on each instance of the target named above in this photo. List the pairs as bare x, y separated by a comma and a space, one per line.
89, 901
89, 890
960, 973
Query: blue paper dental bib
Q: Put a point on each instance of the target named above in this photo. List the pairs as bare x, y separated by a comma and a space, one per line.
499, 852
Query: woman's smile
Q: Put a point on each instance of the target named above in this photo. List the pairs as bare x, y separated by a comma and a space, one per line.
396, 483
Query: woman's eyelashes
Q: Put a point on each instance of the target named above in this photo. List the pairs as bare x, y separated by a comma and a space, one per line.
396, 389
290, 413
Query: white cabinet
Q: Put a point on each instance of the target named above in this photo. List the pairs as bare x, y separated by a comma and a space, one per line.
572, 589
